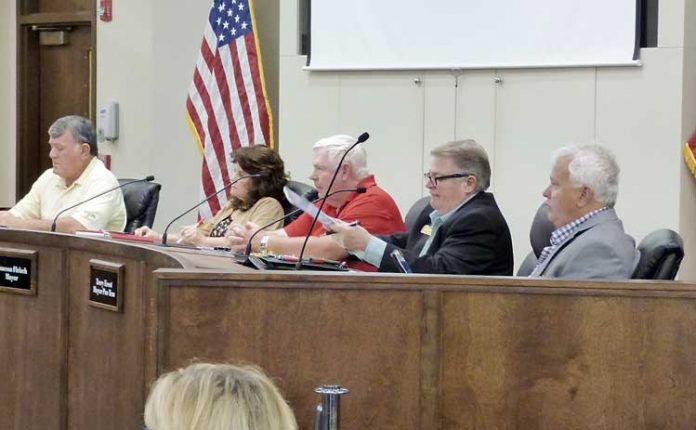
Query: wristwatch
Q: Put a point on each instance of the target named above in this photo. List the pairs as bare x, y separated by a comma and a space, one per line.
263, 245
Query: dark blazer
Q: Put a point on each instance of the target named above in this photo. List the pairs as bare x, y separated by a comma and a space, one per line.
475, 240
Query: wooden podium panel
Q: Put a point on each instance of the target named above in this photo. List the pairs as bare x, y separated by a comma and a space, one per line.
441, 352
33, 335
417, 351
66, 363
568, 361
308, 338
105, 350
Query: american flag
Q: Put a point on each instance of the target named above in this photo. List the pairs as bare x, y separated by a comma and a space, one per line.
227, 106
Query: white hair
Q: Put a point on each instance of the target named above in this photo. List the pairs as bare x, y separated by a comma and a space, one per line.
595, 167
336, 146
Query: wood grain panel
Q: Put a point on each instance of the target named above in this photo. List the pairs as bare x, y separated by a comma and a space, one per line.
577, 361
68, 365
494, 352
53, 81
417, 352
64, 84
49, 6
32, 348
105, 351
431, 351
28, 136
364, 340
56, 18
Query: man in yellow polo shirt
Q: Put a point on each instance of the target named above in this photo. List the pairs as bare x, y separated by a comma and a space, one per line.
77, 175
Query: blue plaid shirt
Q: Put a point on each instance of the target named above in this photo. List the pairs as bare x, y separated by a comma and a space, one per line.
560, 235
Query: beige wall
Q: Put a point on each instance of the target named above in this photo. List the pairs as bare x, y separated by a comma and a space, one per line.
148, 81
146, 60
8, 102
641, 113
687, 215
268, 18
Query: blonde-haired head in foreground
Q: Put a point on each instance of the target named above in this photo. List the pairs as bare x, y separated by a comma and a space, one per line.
217, 397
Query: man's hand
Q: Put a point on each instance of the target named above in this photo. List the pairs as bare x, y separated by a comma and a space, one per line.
9, 220
238, 236
352, 238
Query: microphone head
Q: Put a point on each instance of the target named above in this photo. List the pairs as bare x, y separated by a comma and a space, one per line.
149, 178
363, 137
361, 190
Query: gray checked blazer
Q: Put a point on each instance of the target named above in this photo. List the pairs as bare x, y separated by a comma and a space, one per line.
599, 249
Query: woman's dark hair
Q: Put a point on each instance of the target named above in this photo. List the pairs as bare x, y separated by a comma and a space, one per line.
260, 159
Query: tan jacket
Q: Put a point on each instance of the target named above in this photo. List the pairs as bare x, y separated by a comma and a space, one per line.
264, 211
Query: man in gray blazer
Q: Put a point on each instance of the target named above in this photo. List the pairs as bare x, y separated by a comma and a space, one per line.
589, 241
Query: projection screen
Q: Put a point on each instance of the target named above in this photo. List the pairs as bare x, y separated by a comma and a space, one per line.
451, 34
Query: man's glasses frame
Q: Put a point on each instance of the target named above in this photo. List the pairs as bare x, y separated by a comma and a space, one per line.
435, 179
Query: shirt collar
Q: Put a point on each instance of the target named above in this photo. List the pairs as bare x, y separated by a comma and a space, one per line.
366, 182
562, 233
436, 217
81, 178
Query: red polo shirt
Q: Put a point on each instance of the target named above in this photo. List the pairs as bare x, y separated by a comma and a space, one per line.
375, 209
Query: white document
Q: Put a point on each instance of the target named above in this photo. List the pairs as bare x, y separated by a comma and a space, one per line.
301, 203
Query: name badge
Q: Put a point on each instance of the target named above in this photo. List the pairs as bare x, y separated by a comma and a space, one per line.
427, 230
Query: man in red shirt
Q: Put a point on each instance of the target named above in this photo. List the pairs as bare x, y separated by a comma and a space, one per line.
375, 209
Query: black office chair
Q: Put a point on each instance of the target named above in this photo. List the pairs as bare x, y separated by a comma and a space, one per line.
305, 190
416, 209
661, 253
141, 199
539, 238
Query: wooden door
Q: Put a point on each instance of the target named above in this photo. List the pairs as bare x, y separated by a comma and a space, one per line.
56, 76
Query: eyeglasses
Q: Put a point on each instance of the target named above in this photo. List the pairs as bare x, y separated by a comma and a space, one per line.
435, 179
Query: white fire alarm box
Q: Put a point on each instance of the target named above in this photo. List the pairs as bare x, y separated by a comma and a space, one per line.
107, 122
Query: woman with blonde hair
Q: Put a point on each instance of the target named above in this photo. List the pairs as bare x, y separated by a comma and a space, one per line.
206, 396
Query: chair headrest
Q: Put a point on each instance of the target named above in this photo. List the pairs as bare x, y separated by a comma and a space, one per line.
137, 196
305, 190
415, 211
661, 253
541, 229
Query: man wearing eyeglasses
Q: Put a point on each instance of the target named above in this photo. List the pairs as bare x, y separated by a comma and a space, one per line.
461, 231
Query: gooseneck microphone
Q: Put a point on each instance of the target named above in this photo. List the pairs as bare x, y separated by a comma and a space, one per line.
208, 197
363, 137
247, 250
145, 179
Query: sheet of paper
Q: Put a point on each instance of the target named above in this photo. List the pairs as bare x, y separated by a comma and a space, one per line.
301, 203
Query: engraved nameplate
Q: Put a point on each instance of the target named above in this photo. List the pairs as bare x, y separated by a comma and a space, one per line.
105, 289
18, 271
